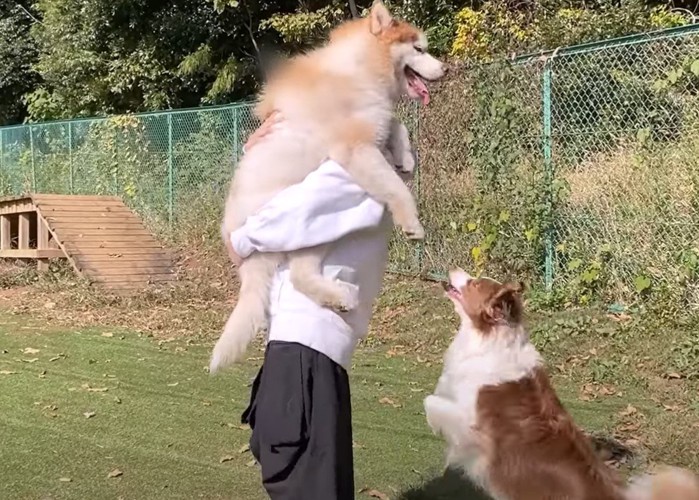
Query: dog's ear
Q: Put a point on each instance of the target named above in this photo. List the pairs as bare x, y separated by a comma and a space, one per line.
379, 18
505, 306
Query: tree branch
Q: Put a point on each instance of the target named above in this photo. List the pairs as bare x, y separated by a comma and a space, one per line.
353, 8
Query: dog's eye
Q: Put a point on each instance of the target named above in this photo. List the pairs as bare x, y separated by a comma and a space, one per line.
419, 50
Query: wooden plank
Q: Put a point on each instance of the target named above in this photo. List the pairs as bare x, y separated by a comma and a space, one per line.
5, 237
42, 235
24, 224
77, 226
74, 197
143, 254
111, 260
42, 243
104, 233
126, 272
114, 245
124, 236
92, 217
63, 205
141, 278
80, 210
126, 266
16, 207
73, 210
32, 254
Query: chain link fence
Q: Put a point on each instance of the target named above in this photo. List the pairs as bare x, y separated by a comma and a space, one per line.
576, 170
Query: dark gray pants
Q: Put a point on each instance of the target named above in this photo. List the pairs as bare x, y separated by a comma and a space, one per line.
301, 422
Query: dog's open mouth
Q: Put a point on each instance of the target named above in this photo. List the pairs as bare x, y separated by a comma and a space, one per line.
452, 292
416, 86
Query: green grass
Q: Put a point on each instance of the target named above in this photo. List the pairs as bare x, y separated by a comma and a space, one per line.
162, 421
166, 424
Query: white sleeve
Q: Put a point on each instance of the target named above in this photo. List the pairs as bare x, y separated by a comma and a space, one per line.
323, 208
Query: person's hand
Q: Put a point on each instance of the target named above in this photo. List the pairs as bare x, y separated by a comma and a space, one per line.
235, 258
263, 130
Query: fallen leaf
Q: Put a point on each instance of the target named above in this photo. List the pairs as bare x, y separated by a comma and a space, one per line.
390, 402
7, 372
94, 389
673, 375
227, 458
376, 494
115, 473
630, 410
244, 449
33, 360
65, 479
251, 463
174, 384
108, 334
89, 414
30, 350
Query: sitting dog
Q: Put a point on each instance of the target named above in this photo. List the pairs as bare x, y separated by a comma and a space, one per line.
502, 421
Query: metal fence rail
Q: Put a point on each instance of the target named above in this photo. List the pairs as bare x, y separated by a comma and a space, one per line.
577, 169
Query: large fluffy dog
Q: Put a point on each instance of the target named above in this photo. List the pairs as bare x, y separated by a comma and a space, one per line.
338, 102
502, 420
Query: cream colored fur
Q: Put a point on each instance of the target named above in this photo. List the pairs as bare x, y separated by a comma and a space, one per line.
337, 102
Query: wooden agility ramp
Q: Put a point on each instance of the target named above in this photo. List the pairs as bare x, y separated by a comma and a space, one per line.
100, 236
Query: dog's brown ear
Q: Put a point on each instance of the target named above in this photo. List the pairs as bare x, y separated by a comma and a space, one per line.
379, 18
505, 306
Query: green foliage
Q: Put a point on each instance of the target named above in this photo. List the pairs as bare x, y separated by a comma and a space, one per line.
495, 29
303, 28
17, 53
103, 57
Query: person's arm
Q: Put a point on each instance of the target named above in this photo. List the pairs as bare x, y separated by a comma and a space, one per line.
323, 208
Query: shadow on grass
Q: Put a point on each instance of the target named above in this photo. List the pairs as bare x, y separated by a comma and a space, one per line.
450, 486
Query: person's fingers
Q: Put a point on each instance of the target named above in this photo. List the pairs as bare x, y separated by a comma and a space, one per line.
263, 130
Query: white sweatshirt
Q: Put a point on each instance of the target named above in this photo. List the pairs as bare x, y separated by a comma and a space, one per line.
326, 207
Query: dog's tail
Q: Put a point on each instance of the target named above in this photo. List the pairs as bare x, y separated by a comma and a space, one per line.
250, 313
670, 483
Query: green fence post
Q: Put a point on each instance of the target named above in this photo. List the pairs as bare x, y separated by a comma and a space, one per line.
2, 150
170, 179
420, 247
236, 144
31, 148
70, 157
548, 172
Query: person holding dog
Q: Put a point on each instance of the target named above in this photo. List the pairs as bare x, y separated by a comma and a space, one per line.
300, 408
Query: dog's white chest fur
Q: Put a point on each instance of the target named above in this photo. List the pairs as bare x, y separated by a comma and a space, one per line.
471, 363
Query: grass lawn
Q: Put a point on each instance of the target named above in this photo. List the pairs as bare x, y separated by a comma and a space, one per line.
79, 404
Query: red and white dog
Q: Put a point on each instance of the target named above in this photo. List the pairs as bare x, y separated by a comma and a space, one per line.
502, 421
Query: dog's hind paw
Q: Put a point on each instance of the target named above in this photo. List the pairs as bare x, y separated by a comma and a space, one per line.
347, 298
414, 231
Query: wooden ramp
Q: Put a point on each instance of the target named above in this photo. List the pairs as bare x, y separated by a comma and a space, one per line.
101, 237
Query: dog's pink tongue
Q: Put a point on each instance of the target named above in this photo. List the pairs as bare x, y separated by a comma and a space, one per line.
420, 89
